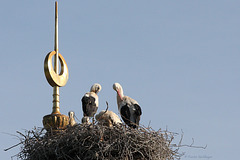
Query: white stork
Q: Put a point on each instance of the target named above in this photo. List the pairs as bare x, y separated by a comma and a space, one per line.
85, 120
129, 108
72, 121
90, 101
108, 118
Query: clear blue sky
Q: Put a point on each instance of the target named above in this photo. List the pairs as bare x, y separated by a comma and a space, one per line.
179, 59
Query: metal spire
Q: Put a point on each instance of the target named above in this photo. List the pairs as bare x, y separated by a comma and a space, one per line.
56, 79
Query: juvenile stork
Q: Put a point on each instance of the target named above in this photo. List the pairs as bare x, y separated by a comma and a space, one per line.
72, 121
129, 108
108, 118
90, 101
85, 120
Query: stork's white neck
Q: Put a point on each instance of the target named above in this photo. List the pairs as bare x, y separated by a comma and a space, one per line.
120, 91
119, 96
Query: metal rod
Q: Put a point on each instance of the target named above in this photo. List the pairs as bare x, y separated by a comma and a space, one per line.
56, 38
56, 105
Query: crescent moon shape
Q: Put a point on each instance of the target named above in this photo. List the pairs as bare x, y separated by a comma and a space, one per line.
53, 78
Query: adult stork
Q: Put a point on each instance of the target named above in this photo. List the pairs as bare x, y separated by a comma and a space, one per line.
90, 101
129, 108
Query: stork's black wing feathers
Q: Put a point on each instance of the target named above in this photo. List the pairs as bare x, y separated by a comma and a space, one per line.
138, 113
125, 114
138, 110
89, 106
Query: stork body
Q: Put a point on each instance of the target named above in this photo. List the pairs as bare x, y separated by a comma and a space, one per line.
108, 118
72, 121
129, 108
85, 120
90, 101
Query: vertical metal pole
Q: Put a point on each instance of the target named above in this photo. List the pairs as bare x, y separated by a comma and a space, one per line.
56, 38
56, 106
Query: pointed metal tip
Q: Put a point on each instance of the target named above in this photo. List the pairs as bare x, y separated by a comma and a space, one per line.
56, 7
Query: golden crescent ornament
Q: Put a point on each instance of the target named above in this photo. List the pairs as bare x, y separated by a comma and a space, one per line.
53, 78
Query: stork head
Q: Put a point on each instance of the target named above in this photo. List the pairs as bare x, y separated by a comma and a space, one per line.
118, 88
96, 88
71, 114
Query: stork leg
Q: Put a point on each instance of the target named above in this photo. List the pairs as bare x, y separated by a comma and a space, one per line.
93, 120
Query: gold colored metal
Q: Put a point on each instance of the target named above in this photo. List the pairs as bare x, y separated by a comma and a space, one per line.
55, 121
56, 38
53, 78
56, 101
52, 75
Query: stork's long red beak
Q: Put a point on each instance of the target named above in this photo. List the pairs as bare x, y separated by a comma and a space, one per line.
119, 94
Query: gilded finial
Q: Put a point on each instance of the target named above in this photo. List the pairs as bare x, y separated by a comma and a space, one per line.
56, 120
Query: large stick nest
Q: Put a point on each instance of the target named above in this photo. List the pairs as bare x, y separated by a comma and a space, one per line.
97, 142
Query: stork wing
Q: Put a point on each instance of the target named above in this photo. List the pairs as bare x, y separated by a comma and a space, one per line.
89, 106
138, 110
125, 114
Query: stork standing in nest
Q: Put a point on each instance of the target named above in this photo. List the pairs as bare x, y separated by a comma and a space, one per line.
72, 121
90, 101
85, 120
129, 108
